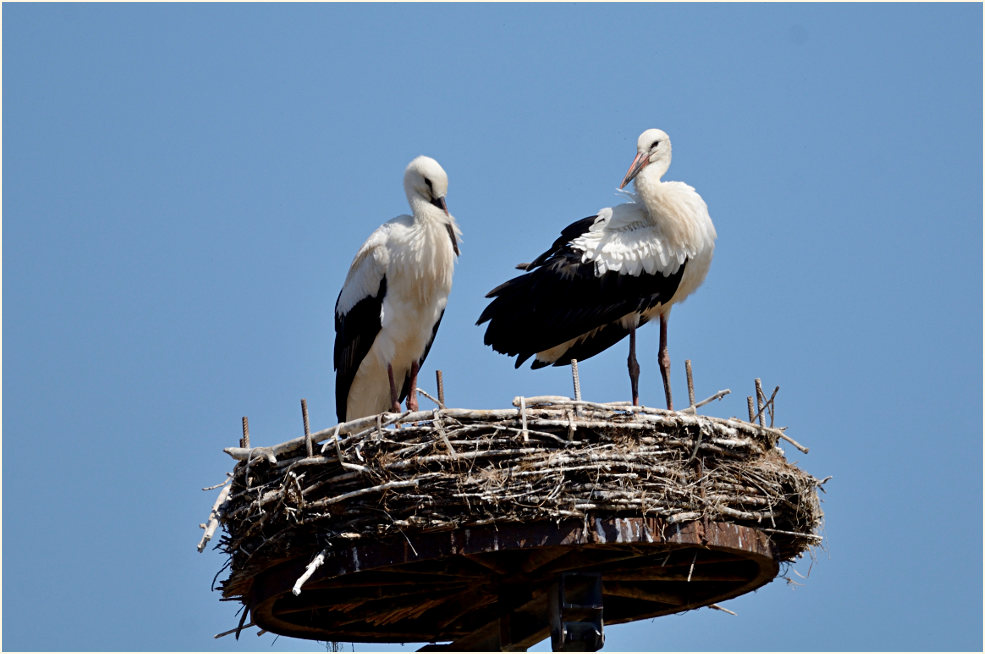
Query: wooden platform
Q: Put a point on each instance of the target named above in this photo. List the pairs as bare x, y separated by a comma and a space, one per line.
486, 588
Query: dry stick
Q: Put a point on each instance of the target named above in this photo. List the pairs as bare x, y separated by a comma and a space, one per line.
772, 404
345, 464
719, 608
441, 388
800, 447
335, 439
790, 533
760, 398
690, 382
232, 631
364, 491
310, 570
214, 517
752, 413
307, 427
560, 400
436, 401
228, 479
717, 396
442, 434
768, 405
576, 380
523, 418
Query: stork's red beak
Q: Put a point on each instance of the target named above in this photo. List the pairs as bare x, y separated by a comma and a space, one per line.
639, 163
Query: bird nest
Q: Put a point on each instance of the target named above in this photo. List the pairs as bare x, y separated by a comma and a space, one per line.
547, 459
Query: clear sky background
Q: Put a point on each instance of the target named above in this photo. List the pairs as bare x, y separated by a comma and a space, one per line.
184, 187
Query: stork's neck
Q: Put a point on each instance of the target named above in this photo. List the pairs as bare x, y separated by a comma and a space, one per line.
649, 188
425, 212
676, 210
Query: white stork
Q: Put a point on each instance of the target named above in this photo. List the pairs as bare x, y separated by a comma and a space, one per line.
609, 273
393, 298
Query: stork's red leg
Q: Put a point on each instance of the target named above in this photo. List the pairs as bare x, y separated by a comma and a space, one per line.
663, 358
412, 393
634, 367
394, 404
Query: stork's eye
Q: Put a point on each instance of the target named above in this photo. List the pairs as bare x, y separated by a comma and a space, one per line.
655, 144
428, 182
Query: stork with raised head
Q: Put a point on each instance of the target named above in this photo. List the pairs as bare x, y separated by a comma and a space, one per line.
393, 298
609, 273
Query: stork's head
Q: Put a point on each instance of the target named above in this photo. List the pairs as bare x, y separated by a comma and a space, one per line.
425, 181
652, 148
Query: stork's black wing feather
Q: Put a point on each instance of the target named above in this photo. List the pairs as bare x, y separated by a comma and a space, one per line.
561, 297
599, 341
355, 332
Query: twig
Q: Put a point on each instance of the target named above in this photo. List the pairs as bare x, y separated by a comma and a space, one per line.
791, 533
767, 405
215, 486
234, 631
310, 570
214, 517
335, 441
442, 434
375, 489
247, 453
523, 419
437, 402
441, 387
800, 447
772, 404
721, 608
708, 400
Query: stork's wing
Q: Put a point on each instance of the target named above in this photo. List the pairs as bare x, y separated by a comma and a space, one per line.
590, 344
358, 313
566, 297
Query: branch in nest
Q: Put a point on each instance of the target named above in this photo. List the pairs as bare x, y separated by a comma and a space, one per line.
214, 517
310, 570
717, 396
720, 608
374, 489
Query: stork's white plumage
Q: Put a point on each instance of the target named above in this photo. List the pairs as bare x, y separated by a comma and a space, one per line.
609, 273
393, 298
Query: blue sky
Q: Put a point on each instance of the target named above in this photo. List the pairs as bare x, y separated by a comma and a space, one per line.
184, 186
